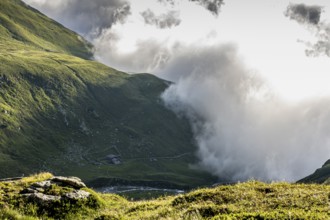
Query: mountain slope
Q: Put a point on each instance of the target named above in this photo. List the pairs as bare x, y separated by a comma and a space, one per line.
62, 113
321, 175
23, 25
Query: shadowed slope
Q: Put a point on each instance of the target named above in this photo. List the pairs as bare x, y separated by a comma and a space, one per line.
321, 175
72, 116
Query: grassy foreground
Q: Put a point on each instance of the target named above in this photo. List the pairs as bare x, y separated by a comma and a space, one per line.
249, 200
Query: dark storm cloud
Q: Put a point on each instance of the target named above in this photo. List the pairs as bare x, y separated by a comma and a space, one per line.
85, 16
162, 21
89, 18
95, 15
304, 14
121, 13
212, 5
311, 16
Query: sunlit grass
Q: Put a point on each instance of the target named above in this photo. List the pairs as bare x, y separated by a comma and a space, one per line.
248, 200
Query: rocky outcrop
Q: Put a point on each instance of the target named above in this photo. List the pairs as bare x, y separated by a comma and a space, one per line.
77, 195
55, 190
42, 199
68, 181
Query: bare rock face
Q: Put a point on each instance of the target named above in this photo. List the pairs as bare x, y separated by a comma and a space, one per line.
77, 195
42, 193
68, 181
43, 184
41, 198
38, 187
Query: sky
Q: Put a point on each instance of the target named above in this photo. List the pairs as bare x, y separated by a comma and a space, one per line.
251, 76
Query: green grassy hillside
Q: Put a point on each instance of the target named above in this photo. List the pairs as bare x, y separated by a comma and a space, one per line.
321, 175
25, 27
62, 113
250, 200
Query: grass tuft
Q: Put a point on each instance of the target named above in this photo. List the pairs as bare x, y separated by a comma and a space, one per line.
248, 200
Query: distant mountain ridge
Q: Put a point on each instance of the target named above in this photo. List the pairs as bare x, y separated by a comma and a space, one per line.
321, 175
63, 113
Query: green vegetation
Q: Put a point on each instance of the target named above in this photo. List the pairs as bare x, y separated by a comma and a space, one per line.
62, 113
321, 175
24, 28
250, 200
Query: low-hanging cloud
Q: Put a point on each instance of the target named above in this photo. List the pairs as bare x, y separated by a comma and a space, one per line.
160, 33
109, 24
147, 56
310, 16
243, 131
